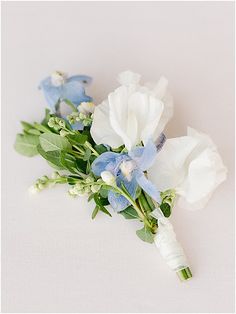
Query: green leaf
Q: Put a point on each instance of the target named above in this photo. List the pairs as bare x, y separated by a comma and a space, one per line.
52, 157
129, 213
95, 211
46, 118
104, 210
145, 234
53, 142
166, 209
91, 196
68, 162
87, 154
103, 193
100, 148
42, 128
34, 132
101, 201
26, 126
81, 165
26, 144
76, 139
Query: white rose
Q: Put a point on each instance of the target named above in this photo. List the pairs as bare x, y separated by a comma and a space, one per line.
132, 113
192, 166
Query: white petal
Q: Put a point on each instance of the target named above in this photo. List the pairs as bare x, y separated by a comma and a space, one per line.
128, 77
169, 169
205, 173
204, 139
160, 91
101, 129
118, 101
153, 117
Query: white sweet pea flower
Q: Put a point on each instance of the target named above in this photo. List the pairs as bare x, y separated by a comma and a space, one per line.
192, 166
132, 113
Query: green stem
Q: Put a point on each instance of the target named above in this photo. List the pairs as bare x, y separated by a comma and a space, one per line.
88, 145
79, 149
135, 206
71, 105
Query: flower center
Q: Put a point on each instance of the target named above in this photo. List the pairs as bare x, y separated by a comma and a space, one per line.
58, 78
126, 168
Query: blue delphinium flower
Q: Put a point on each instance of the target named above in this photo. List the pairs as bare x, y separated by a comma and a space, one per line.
128, 169
58, 87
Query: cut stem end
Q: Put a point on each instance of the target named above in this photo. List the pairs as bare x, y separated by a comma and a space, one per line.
184, 274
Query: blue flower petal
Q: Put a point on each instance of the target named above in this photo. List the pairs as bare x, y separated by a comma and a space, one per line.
144, 156
84, 79
78, 126
147, 185
107, 161
119, 202
51, 93
74, 91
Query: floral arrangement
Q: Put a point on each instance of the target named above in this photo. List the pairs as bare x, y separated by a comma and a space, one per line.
117, 155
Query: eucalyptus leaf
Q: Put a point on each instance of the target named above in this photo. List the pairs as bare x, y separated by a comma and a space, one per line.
26, 144
53, 142
52, 157
145, 234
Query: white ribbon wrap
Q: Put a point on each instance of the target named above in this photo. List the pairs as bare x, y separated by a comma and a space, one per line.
166, 242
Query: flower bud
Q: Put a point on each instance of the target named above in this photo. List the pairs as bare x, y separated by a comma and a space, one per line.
63, 133
108, 178
95, 188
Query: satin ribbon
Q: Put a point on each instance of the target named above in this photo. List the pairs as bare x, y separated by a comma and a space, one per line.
165, 240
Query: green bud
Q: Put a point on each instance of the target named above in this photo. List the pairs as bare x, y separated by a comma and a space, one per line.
64, 133
95, 188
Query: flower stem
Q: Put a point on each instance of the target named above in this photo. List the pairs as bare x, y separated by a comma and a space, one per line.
88, 145
135, 206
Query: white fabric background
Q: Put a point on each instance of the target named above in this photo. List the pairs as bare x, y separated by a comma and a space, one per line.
55, 258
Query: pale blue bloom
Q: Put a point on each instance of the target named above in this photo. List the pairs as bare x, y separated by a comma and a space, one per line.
128, 168
71, 88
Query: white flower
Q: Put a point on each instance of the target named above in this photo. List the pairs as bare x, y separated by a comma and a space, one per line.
132, 113
58, 78
192, 166
108, 178
86, 107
